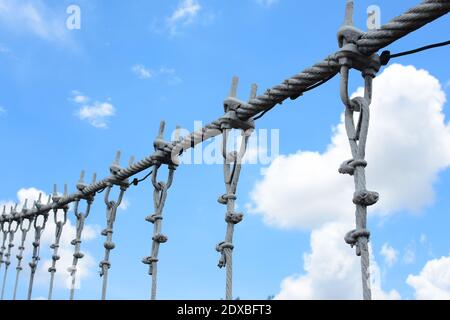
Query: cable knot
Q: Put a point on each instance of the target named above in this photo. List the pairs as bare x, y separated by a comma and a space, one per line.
149, 260
234, 218
223, 199
103, 264
78, 255
160, 238
106, 231
231, 120
365, 198
55, 257
109, 245
353, 236
221, 249
75, 241
349, 166
153, 217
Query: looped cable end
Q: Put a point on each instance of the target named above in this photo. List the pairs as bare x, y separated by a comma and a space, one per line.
224, 245
353, 236
221, 249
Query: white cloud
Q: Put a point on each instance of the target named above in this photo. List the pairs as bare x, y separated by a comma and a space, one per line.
423, 238
266, 3
78, 97
409, 142
408, 146
96, 114
332, 270
2, 110
389, 254
124, 205
141, 71
409, 257
62, 276
33, 17
169, 75
433, 282
185, 14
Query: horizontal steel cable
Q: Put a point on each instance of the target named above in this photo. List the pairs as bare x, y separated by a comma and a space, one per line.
293, 87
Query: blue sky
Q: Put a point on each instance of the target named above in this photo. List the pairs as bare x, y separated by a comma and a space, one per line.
71, 98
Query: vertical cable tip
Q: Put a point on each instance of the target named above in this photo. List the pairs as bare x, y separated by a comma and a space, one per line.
177, 133
65, 190
40, 197
94, 177
25, 204
349, 9
234, 85
253, 91
162, 126
117, 159
55, 189
82, 173
131, 161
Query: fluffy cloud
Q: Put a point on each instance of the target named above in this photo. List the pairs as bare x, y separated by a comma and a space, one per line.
33, 17
96, 113
184, 14
389, 254
332, 270
124, 205
62, 276
169, 75
409, 257
78, 97
433, 282
409, 142
141, 71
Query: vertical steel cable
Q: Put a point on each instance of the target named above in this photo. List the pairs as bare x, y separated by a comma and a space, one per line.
59, 224
38, 230
24, 228
12, 229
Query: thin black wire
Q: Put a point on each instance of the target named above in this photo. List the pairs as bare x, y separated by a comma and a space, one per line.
307, 89
136, 181
386, 55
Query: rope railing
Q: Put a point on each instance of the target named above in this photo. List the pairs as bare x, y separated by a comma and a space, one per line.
238, 115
